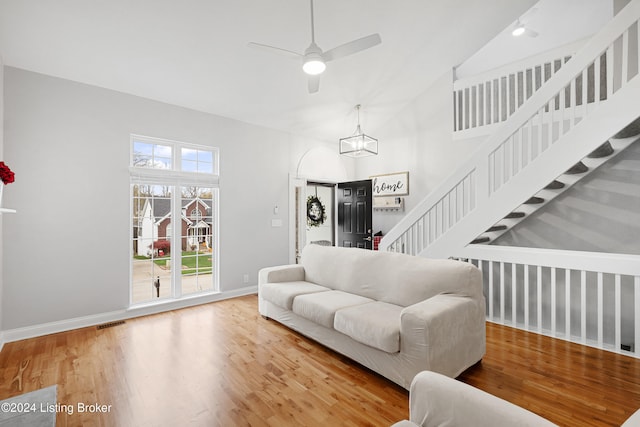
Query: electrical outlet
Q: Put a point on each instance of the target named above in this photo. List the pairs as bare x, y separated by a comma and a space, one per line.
245, 278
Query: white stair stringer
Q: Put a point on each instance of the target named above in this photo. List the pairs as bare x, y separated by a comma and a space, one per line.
547, 195
610, 117
557, 127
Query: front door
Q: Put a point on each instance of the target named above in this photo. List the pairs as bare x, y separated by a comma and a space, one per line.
355, 214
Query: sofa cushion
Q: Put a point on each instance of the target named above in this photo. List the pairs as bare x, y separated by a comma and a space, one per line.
283, 293
376, 324
321, 307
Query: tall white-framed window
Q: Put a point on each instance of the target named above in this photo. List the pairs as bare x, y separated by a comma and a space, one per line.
174, 217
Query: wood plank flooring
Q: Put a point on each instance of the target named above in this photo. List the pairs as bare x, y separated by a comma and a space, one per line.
221, 364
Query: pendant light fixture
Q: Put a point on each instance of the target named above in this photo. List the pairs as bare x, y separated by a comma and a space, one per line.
358, 144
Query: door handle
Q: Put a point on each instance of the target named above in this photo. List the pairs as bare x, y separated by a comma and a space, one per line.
367, 238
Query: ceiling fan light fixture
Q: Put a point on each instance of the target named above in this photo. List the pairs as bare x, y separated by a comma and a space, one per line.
314, 65
519, 29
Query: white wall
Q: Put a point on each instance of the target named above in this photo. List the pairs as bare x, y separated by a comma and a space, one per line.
67, 251
1, 157
418, 139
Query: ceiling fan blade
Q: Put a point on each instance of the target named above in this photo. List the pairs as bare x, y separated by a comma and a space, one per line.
352, 47
314, 83
531, 33
273, 49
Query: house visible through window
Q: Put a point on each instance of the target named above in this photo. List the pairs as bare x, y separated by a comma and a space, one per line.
174, 214
196, 214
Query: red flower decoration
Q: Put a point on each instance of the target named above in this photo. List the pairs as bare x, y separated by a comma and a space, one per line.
6, 175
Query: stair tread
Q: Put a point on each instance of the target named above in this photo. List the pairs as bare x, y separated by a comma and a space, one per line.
515, 215
602, 151
534, 201
577, 168
480, 240
632, 129
554, 185
496, 228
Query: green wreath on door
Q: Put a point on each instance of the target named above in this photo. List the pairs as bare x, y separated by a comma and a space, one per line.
316, 212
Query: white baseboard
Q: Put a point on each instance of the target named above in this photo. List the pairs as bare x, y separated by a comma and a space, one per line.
33, 331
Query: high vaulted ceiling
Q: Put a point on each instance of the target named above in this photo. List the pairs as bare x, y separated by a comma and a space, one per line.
194, 53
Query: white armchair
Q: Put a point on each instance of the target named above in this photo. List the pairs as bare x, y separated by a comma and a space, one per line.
439, 401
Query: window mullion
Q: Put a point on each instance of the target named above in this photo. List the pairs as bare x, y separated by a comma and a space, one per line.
177, 164
176, 240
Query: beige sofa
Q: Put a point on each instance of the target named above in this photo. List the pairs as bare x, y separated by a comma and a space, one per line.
439, 401
395, 314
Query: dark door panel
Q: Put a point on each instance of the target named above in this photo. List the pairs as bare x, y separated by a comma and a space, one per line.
355, 213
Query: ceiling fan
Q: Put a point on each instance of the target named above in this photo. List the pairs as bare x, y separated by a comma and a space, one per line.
314, 59
521, 27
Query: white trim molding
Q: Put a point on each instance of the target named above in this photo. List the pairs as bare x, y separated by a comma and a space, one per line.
33, 331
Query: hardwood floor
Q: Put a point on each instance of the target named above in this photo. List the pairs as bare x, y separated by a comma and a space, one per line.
569, 384
221, 364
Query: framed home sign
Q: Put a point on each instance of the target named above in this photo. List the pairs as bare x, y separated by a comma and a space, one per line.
391, 184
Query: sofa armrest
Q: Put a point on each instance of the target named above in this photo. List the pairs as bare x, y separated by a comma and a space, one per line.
281, 273
437, 400
446, 330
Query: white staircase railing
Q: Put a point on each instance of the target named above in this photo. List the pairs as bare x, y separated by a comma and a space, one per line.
584, 297
534, 146
482, 102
